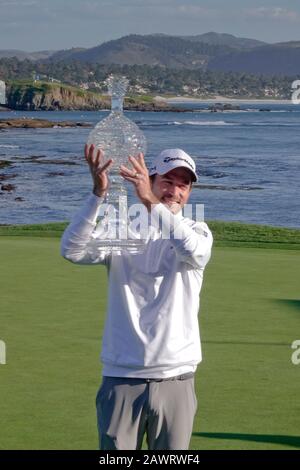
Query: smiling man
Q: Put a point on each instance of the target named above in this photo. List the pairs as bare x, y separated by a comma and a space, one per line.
172, 175
151, 343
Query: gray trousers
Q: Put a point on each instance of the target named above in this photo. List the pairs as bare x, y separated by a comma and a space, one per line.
129, 408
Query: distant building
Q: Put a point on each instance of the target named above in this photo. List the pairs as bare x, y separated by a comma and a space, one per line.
2, 92
84, 86
54, 80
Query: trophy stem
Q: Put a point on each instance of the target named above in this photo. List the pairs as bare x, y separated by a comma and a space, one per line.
116, 189
114, 231
117, 104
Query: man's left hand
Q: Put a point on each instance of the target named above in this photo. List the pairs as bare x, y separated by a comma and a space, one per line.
139, 177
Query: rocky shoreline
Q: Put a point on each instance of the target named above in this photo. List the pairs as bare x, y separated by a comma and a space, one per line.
27, 123
7, 187
214, 108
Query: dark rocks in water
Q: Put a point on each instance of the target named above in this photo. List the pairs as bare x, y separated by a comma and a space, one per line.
83, 124
35, 157
26, 123
215, 108
265, 109
7, 187
155, 108
4, 177
219, 107
55, 162
231, 107
56, 173
4, 163
19, 199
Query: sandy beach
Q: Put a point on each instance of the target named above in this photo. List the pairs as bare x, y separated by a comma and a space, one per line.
218, 99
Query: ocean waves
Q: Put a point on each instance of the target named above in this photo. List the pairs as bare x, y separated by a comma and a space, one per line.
146, 124
7, 146
217, 123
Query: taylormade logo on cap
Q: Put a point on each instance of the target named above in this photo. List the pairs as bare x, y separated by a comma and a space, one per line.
169, 159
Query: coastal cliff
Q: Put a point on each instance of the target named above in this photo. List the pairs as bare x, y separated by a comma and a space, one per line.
30, 96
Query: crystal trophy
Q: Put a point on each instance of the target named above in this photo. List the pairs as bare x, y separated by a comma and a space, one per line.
118, 137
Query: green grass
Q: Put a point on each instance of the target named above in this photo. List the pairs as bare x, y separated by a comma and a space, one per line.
42, 86
253, 235
225, 234
139, 99
34, 230
52, 316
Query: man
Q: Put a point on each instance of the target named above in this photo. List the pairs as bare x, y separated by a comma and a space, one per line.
151, 344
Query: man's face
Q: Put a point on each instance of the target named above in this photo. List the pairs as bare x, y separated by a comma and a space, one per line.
173, 188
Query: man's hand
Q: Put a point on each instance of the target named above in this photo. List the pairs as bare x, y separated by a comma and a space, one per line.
139, 176
94, 157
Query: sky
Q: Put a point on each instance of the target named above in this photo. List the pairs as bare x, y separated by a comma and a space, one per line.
35, 25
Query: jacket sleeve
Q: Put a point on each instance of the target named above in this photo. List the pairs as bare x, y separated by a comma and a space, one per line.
78, 243
192, 243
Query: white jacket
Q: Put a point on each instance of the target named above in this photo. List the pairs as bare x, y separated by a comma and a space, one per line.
151, 327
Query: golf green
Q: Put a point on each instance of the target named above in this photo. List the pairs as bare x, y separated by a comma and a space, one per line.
52, 316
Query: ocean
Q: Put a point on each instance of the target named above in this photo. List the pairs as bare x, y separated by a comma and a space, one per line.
248, 162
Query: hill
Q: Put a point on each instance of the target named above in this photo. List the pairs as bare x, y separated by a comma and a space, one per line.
166, 51
224, 39
276, 59
22, 55
209, 51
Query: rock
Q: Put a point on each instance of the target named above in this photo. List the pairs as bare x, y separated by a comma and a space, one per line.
215, 107
83, 124
35, 157
19, 199
143, 106
7, 187
231, 107
55, 162
56, 173
4, 177
4, 163
26, 123
223, 107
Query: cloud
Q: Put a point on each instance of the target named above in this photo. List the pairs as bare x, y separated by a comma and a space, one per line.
63, 23
273, 13
196, 10
17, 3
93, 10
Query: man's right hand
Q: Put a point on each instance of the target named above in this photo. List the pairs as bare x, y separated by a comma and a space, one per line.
95, 158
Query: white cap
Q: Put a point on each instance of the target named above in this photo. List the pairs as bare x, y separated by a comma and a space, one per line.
169, 159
